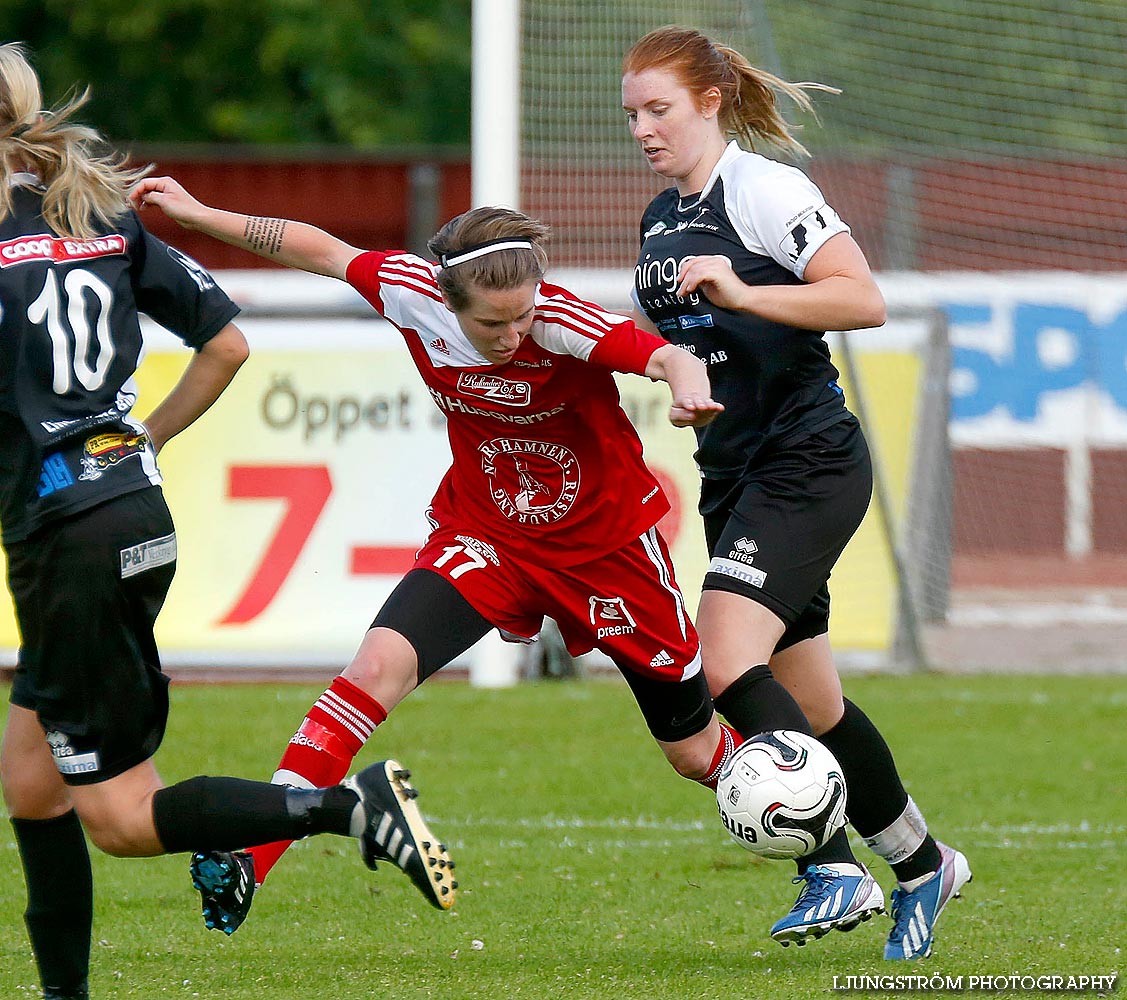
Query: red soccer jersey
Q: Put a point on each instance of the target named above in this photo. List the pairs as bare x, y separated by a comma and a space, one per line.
545, 461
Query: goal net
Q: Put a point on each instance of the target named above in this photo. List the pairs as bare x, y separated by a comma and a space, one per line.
976, 152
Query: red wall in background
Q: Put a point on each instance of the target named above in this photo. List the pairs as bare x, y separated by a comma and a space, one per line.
955, 215
982, 215
364, 202
1009, 500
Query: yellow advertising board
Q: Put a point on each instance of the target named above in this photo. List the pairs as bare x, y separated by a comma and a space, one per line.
299, 498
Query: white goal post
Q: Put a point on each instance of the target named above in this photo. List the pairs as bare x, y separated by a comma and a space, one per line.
495, 103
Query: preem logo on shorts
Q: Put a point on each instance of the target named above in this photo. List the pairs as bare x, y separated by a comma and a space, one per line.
509, 392
531, 482
67, 760
610, 616
45, 247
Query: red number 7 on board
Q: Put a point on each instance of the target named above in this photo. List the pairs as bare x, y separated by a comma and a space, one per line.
306, 490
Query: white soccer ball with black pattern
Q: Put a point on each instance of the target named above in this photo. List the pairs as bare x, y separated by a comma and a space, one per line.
782, 795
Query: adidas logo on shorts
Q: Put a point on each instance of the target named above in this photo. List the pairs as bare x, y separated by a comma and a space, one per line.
663, 659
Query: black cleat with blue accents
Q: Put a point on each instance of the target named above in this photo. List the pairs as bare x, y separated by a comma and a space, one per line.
225, 880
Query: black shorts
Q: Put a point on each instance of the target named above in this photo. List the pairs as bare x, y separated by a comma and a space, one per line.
775, 534
440, 624
87, 590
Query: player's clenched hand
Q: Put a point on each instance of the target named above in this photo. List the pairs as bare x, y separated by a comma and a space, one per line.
170, 197
712, 275
694, 411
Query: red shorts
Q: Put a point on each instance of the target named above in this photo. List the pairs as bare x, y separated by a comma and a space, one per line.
626, 604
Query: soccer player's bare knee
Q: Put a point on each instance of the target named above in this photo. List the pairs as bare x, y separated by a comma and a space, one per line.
385, 667
32, 785
32, 792
691, 758
120, 829
736, 633
823, 717
118, 813
819, 698
807, 670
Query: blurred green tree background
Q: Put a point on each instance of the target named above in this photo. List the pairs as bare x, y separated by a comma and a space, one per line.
356, 73
926, 76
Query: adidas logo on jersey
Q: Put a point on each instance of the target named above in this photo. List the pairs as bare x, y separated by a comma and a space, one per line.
440, 345
663, 659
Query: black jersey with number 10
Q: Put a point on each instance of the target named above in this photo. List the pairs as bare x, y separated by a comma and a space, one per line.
70, 341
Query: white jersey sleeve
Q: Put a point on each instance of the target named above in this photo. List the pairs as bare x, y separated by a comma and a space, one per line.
778, 211
565, 324
409, 290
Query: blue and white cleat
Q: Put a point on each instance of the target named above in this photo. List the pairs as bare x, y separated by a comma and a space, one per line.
835, 897
225, 881
915, 911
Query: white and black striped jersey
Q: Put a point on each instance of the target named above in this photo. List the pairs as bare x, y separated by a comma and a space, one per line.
777, 382
70, 341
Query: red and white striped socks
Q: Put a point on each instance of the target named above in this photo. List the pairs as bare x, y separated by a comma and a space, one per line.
729, 740
321, 751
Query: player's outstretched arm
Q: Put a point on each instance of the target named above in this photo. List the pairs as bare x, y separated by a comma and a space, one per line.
295, 244
693, 405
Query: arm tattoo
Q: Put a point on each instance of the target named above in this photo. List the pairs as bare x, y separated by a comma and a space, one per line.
264, 234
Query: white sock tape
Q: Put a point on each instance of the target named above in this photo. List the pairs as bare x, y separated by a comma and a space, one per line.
902, 837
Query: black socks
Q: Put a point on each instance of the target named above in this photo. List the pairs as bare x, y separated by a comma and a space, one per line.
757, 703
60, 901
878, 803
225, 814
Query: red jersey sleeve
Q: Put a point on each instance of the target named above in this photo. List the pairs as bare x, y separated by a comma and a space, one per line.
571, 326
627, 348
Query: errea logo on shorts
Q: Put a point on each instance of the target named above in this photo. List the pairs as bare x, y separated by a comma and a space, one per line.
148, 555
66, 760
743, 550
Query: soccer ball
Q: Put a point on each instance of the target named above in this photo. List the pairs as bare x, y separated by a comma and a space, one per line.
782, 795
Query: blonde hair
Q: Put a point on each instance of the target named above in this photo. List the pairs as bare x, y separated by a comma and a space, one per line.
749, 108
84, 186
500, 269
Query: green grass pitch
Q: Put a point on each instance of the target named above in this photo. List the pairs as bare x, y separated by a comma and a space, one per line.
590, 870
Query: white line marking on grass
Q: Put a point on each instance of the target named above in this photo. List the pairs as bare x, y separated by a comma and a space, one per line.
1005, 844
580, 823
1081, 836
1048, 830
696, 826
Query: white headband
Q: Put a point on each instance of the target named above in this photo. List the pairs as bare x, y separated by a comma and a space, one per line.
481, 251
